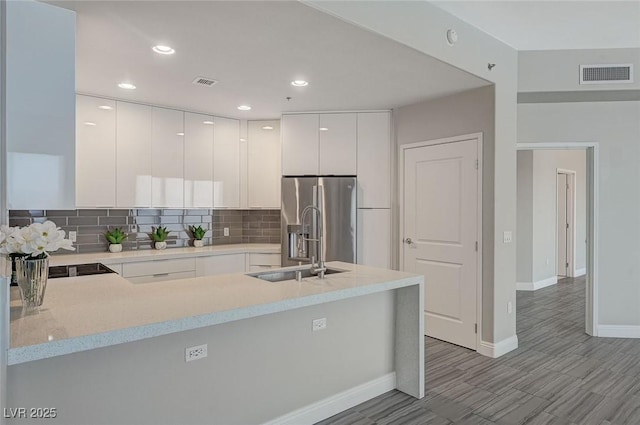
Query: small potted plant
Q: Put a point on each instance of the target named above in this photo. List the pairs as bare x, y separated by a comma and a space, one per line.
198, 233
115, 238
159, 236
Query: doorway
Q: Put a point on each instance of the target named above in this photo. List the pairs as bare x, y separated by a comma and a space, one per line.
590, 236
440, 224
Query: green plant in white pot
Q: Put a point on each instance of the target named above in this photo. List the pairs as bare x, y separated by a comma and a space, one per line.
198, 234
159, 236
115, 238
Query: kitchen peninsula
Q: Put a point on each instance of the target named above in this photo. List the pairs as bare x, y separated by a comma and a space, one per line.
118, 348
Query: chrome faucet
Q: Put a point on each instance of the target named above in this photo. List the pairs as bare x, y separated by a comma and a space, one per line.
319, 268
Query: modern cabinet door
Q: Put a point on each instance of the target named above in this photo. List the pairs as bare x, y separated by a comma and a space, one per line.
374, 160
300, 144
374, 237
263, 164
337, 144
167, 158
40, 106
133, 155
95, 152
198, 161
226, 163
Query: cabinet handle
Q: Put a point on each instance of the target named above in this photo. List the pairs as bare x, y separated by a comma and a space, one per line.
160, 274
408, 241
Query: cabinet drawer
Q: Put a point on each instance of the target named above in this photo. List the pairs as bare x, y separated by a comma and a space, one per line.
220, 264
261, 268
148, 268
264, 259
159, 277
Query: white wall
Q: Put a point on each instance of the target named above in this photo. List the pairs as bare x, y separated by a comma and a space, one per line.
559, 70
464, 113
537, 234
616, 127
423, 26
256, 369
524, 230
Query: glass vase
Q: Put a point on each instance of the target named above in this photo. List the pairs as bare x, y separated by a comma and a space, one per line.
32, 277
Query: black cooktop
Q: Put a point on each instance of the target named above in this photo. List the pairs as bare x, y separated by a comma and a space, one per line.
78, 270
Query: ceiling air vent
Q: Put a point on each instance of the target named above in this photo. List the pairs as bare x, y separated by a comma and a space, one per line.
606, 74
204, 81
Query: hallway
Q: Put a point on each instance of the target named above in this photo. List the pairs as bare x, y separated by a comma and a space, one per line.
557, 376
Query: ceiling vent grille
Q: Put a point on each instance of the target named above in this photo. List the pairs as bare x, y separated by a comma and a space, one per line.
606, 74
204, 81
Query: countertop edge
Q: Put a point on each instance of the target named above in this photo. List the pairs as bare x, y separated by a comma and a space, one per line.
26, 354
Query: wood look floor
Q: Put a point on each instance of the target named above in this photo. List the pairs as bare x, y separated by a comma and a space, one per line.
558, 376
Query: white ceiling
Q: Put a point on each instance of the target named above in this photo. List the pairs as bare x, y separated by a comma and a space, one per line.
254, 49
553, 25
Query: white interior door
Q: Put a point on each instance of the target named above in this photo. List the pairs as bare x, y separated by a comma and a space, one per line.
562, 224
440, 214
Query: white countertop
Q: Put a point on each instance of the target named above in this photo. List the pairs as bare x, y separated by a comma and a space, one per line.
161, 254
83, 313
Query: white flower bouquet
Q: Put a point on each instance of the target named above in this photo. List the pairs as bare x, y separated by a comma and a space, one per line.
35, 241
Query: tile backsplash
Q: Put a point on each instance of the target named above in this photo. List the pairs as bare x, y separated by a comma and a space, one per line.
245, 226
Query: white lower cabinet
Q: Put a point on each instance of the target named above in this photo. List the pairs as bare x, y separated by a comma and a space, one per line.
220, 264
259, 262
159, 270
374, 237
115, 267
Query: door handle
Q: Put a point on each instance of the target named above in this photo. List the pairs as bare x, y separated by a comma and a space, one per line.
408, 241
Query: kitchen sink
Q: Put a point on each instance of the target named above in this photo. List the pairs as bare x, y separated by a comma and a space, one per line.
280, 276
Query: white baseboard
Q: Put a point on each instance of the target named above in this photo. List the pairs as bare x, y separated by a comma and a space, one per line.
498, 349
533, 286
335, 404
619, 331
580, 272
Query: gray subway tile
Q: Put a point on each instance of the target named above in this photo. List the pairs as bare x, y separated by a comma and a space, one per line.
113, 221
148, 211
61, 213
82, 221
13, 222
120, 213
94, 213
172, 212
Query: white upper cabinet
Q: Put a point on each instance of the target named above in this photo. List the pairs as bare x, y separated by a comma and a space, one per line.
226, 163
198, 160
95, 152
263, 164
40, 105
374, 160
300, 144
337, 134
133, 155
167, 158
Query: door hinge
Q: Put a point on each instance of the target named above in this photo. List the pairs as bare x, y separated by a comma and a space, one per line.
476, 246
476, 328
477, 164
567, 225
567, 265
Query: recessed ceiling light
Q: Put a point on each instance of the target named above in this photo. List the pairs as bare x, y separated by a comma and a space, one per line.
244, 108
163, 50
179, 134
127, 86
105, 107
299, 83
89, 123
207, 122
323, 129
267, 127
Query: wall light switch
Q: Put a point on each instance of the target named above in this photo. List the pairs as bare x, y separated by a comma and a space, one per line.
72, 236
507, 237
226, 231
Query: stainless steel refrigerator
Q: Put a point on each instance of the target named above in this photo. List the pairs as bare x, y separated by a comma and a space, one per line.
336, 198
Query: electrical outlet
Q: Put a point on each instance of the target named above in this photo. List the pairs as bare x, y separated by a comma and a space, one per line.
72, 236
319, 324
507, 237
195, 353
509, 307
226, 231
547, 261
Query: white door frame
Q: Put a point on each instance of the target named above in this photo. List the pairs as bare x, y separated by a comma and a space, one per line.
571, 214
593, 171
401, 152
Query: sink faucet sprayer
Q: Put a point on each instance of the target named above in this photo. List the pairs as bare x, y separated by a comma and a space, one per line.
320, 268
